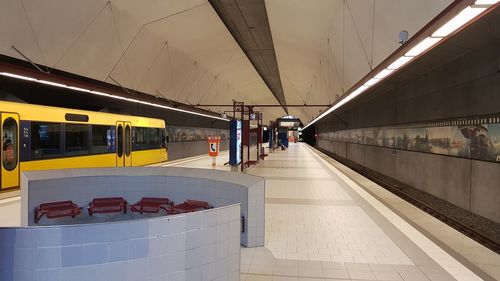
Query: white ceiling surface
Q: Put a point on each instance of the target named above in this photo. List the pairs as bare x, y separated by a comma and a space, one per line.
176, 48
314, 70
180, 49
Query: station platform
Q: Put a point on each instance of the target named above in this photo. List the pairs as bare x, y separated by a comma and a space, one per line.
326, 222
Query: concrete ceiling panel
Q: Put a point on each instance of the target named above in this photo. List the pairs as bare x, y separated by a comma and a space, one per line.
145, 42
56, 39
97, 51
120, 75
339, 34
155, 9
181, 49
15, 30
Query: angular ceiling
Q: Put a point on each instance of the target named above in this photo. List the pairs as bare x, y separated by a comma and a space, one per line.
181, 50
325, 46
176, 49
248, 23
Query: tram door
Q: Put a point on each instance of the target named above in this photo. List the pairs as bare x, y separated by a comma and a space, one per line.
123, 144
9, 154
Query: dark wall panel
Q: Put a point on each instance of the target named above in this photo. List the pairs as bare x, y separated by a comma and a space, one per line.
356, 153
445, 177
459, 79
341, 149
178, 150
485, 197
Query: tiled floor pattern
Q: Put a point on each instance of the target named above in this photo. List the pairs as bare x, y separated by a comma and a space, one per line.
423, 243
315, 230
10, 212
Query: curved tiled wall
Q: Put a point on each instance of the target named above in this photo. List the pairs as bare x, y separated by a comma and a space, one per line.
203, 245
219, 188
195, 246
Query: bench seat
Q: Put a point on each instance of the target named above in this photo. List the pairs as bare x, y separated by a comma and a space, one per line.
108, 205
57, 210
189, 206
151, 205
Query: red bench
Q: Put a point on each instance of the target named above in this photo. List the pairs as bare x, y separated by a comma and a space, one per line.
108, 205
151, 205
57, 210
188, 206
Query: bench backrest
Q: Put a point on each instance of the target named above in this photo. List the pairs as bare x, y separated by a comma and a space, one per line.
108, 200
57, 204
196, 203
155, 200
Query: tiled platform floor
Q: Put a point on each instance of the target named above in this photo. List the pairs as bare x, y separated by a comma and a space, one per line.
320, 225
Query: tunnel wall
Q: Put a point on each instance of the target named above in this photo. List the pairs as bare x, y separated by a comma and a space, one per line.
178, 150
465, 86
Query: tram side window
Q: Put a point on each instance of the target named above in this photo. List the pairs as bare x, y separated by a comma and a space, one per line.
147, 138
45, 140
76, 139
9, 144
141, 138
103, 139
154, 138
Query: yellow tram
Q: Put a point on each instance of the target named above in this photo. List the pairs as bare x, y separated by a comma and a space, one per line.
35, 137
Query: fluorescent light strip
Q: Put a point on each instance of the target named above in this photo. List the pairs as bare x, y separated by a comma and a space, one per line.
18, 76
486, 2
458, 21
352, 95
423, 46
107, 95
384, 73
399, 62
51, 83
372, 82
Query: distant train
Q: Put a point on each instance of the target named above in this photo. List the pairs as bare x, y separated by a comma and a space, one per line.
35, 137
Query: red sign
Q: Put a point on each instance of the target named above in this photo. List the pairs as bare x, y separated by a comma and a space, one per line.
213, 146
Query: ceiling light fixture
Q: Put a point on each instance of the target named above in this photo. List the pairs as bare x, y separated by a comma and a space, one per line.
458, 21
462, 18
486, 2
372, 82
399, 62
26, 78
423, 46
382, 74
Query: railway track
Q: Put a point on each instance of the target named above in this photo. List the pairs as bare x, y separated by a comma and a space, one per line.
399, 188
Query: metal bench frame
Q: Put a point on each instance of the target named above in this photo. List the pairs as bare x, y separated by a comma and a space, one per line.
189, 206
57, 210
108, 205
151, 205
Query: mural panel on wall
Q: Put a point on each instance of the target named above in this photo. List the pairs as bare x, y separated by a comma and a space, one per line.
476, 141
181, 134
